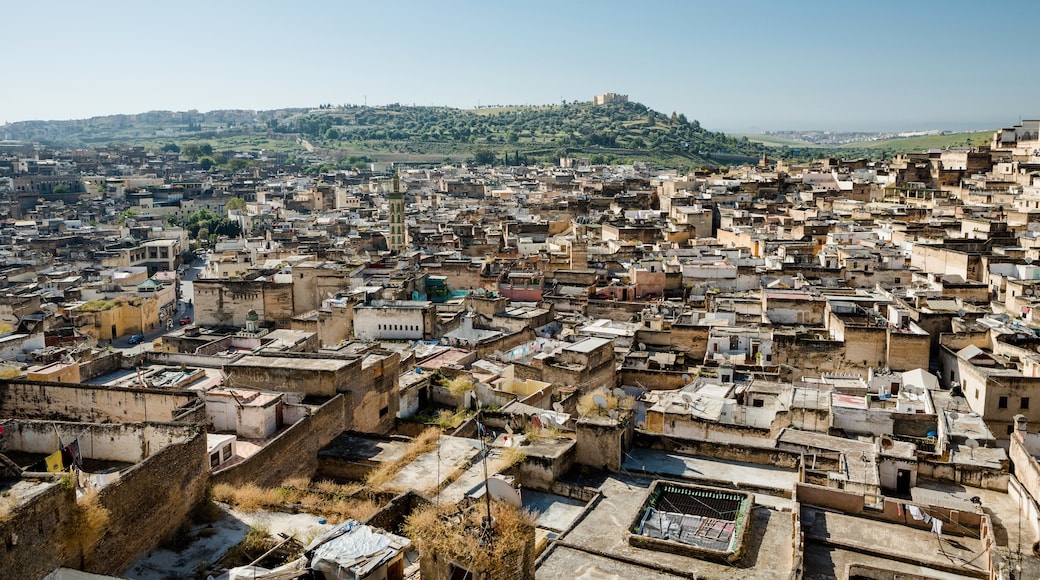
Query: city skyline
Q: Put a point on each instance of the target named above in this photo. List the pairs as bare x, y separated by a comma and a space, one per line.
750, 67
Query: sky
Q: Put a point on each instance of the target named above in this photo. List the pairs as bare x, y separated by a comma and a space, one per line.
734, 65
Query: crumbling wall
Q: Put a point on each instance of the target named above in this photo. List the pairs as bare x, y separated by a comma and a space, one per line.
32, 535
149, 502
94, 404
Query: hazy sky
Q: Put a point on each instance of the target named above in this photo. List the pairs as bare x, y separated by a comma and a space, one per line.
734, 65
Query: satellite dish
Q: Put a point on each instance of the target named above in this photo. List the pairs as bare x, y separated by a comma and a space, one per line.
620, 393
641, 346
536, 421
509, 429
972, 445
502, 491
558, 407
612, 414
600, 401
687, 398
686, 378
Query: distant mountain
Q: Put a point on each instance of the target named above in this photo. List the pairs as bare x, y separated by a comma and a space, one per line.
613, 132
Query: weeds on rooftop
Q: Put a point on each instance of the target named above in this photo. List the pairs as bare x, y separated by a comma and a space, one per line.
424, 443
334, 501
459, 535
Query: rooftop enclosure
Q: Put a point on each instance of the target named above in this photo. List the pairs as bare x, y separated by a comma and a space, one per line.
692, 520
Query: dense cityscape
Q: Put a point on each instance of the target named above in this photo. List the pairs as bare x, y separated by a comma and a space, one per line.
537, 356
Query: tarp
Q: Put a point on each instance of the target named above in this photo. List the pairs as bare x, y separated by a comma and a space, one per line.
353, 550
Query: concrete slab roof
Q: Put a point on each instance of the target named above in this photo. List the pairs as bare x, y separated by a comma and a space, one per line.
588, 345
307, 364
597, 546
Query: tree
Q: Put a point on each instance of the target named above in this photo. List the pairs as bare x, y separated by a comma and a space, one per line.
206, 149
207, 163
484, 157
61, 188
171, 148
332, 134
127, 215
192, 152
237, 164
236, 203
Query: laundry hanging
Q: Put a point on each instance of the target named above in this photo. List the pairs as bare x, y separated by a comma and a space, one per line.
54, 462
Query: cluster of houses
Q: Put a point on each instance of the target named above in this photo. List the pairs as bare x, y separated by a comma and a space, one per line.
727, 373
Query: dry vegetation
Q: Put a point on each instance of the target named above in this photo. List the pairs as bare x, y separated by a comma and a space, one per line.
587, 405
424, 443
88, 524
9, 372
458, 535
459, 385
333, 501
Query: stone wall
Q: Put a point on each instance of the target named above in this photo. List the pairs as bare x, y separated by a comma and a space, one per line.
800, 357
65, 402
149, 502
971, 475
654, 380
33, 542
293, 453
614, 309
712, 450
226, 302
691, 339
908, 351
100, 366
375, 404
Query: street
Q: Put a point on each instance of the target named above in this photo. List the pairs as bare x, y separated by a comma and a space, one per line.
185, 307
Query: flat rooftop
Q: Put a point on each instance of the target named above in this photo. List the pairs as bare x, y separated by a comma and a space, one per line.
597, 547
308, 364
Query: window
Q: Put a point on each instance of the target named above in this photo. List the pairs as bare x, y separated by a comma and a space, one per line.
1024, 403
1002, 403
1010, 429
758, 403
383, 412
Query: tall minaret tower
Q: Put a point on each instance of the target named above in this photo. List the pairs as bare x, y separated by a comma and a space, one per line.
398, 239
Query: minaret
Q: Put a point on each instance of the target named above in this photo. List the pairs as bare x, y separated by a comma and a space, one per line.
398, 239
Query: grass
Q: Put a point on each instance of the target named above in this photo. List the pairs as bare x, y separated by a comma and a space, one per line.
335, 502
97, 304
915, 144
426, 441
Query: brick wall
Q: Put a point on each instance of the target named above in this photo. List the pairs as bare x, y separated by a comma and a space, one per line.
294, 453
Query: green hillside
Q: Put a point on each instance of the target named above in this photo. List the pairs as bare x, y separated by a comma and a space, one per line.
619, 133
918, 144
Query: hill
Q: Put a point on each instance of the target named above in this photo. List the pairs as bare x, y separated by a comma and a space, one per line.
878, 148
611, 133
